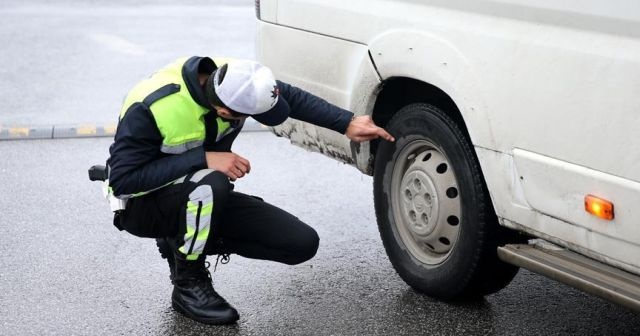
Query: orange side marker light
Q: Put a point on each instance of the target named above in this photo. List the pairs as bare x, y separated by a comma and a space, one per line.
598, 207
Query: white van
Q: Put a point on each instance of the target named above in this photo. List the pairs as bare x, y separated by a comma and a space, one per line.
517, 126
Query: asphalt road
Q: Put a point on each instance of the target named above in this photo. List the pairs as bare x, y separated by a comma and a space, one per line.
64, 270
72, 61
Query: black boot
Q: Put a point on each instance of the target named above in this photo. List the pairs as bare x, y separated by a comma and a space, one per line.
166, 252
194, 296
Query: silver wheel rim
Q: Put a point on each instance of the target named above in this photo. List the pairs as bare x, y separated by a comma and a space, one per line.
425, 202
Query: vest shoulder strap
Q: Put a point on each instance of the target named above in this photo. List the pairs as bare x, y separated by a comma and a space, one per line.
161, 93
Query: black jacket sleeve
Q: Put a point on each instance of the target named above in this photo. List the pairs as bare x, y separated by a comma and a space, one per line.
136, 162
307, 107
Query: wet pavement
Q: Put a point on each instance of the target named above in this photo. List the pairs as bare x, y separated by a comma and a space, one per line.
64, 270
73, 61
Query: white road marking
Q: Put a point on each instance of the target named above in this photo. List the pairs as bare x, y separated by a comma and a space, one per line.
118, 44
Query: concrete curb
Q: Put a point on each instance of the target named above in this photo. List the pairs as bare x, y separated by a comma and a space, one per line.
81, 131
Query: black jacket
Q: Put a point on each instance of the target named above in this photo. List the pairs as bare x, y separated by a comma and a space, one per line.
137, 164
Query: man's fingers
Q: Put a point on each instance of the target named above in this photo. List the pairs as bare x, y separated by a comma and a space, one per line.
231, 175
241, 167
362, 128
243, 160
245, 164
374, 133
241, 163
238, 172
385, 135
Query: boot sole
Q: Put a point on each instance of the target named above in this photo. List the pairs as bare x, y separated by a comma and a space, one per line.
213, 321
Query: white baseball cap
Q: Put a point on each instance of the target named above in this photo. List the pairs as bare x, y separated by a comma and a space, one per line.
250, 88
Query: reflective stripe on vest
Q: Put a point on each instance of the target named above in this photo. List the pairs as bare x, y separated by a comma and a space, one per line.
181, 148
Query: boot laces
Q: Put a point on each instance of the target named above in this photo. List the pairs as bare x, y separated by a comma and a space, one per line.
225, 260
205, 284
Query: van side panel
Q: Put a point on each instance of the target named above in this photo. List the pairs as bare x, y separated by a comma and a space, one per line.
556, 80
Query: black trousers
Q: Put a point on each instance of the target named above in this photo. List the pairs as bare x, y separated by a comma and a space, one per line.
239, 223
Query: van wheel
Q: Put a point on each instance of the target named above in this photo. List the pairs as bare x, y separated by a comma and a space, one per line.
434, 214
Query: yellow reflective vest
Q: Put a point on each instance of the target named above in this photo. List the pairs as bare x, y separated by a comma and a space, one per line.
178, 117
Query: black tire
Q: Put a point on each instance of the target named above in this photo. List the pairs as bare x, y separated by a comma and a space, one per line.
470, 268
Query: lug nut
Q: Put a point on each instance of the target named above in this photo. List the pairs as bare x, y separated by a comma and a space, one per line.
408, 193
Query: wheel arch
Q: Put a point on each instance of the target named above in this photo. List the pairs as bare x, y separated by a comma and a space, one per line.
397, 92
423, 67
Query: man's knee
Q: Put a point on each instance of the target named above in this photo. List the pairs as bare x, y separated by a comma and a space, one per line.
305, 248
218, 182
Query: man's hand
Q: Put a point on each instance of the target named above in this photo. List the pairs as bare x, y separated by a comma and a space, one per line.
230, 164
362, 128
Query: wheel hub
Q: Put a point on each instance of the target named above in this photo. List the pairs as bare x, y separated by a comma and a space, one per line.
419, 206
